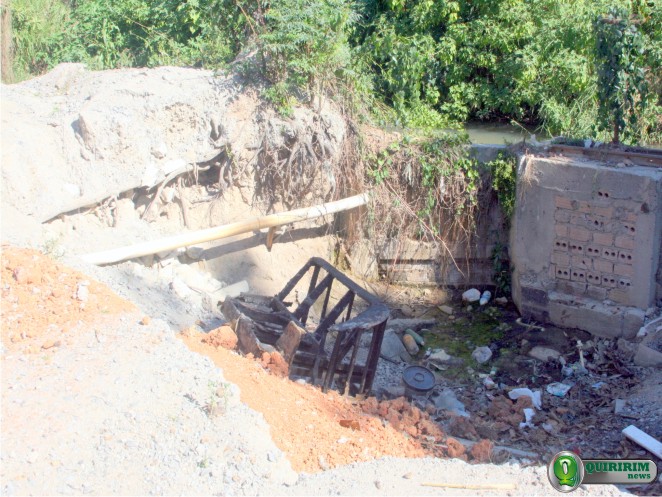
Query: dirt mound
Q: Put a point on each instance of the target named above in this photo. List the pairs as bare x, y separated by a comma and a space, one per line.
44, 301
318, 431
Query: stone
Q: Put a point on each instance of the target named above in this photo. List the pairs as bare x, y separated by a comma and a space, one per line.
619, 406
446, 309
501, 300
447, 401
392, 347
544, 353
482, 354
647, 357
49, 344
194, 252
472, 295
289, 341
454, 448
410, 344
482, 451
82, 292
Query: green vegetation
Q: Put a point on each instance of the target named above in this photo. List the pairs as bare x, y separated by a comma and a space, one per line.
622, 85
581, 67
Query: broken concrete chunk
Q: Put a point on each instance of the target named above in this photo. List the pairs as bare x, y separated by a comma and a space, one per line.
482, 354
194, 252
643, 439
544, 353
619, 406
447, 400
647, 357
446, 309
536, 397
392, 347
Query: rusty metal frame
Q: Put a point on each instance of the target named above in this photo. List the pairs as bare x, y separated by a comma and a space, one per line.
271, 315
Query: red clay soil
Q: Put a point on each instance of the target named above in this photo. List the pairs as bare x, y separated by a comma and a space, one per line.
41, 302
319, 431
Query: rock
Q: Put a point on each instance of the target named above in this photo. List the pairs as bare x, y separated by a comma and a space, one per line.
145, 320
485, 297
49, 344
454, 448
393, 349
647, 357
446, 309
619, 406
82, 291
410, 344
536, 397
463, 427
194, 252
558, 389
441, 360
447, 400
472, 295
501, 300
125, 213
482, 354
394, 391
544, 353
482, 451
488, 383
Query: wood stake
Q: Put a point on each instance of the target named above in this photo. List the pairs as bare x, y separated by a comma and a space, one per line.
258, 223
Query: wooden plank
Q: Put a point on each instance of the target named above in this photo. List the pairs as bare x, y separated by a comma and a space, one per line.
644, 439
227, 230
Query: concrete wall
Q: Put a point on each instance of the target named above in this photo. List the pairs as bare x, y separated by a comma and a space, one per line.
455, 265
586, 243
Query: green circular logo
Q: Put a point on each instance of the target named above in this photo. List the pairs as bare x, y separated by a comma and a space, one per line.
565, 471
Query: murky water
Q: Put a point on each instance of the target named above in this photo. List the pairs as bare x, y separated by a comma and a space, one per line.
499, 134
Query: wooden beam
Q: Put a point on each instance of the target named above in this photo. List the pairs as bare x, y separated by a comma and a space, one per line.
227, 230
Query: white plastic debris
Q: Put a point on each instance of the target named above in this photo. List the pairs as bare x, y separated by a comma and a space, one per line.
485, 297
536, 397
558, 389
528, 417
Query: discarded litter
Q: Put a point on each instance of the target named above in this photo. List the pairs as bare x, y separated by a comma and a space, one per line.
471, 295
417, 338
528, 417
485, 297
536, 397
558, 389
